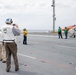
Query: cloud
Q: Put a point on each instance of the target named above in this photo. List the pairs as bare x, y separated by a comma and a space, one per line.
38, 13
25, 7
60, 5
66, 4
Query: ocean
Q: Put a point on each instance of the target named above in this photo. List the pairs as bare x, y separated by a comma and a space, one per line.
38, 31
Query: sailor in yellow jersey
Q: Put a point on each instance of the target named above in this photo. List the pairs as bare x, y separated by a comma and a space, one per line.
25, 32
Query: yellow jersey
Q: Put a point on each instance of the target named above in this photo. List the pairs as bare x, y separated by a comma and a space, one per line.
25, 32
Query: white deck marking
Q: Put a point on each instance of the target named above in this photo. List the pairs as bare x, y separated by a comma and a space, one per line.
26, 56
65, 46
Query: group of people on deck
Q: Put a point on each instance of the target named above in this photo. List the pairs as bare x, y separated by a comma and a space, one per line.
60, 32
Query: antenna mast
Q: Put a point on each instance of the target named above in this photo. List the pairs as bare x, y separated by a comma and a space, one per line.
54, 18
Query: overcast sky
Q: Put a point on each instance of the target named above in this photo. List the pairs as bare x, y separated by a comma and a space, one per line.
37, 14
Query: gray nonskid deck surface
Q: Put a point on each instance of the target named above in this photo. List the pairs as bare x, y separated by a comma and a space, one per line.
44, 55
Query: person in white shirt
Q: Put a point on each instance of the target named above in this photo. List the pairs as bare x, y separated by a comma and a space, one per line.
9, 41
